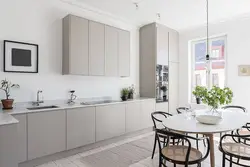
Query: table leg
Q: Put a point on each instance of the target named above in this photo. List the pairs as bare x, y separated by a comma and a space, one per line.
212, 155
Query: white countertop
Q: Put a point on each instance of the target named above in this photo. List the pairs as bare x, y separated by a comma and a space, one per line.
7, 118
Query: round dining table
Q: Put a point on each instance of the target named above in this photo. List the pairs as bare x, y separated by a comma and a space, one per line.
231, 120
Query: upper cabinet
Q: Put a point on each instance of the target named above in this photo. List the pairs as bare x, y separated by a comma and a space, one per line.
124, 53
94, 49
111, 51
75, 45
173, 46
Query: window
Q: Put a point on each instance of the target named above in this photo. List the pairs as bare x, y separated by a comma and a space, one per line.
208, 73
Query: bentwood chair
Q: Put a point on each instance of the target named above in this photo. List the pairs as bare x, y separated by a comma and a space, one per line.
234, 150
179, 154
239, 109
181, 110
157, 118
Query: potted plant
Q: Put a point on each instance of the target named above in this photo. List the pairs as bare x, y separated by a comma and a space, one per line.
124, 94
6, 86
217, 96
164, 90
131, 92
199, 92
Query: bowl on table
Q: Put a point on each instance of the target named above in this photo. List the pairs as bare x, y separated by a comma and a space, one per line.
209, 119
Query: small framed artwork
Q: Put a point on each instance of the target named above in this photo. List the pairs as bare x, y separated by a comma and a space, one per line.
20, 57
244, 70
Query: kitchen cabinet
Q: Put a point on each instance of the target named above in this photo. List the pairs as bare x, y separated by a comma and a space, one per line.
80, 127
96, 49
46, 133
173, 46
75, 45
162, 107
133, 116
111, 51
110, 121
22, 137
147, 107
124, 53
173, 87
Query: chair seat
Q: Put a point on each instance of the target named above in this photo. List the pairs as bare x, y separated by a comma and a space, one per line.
239, 150
243, 132
177, 153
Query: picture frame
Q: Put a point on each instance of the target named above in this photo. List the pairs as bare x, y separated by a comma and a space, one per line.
20, 57
244, 70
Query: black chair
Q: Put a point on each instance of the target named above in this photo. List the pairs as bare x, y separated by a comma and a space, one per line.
179, 154
238, 108
235, 107
234, 150
180, 110
156, 117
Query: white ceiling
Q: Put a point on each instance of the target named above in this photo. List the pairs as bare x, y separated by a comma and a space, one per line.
177, 14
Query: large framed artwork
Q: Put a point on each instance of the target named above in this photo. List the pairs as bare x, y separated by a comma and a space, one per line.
20, 57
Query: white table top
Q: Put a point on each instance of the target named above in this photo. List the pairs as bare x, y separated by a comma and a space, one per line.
231, 121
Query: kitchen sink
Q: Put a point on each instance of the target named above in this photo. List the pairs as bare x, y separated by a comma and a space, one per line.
42, 107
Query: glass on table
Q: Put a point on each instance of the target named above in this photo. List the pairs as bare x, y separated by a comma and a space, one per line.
188, 111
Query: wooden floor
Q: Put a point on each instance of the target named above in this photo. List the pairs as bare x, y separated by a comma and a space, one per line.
132, 152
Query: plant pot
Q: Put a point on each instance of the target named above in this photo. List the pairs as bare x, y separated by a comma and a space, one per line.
124, 98
7, 104
198, 100
130, 96
164, 98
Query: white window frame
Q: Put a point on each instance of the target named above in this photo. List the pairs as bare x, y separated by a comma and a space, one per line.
210, 75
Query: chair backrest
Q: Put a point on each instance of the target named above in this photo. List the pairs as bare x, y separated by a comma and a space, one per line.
158, 117
235, 107
180, 110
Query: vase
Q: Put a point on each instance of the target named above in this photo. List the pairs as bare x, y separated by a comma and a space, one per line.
198, 100
7, 104
124, 98
130, 96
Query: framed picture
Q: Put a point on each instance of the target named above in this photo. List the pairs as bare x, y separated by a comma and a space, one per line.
20, 57
244, 70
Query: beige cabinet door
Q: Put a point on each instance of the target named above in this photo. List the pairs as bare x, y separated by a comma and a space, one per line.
75, 45
162, 107
147, 107
124, 53
96, 49
110, 121
80, 127
111, 51
46, 133
22, 137
173, 87
174, 46
133, 116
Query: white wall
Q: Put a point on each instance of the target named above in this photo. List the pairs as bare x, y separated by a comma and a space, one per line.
40, 22
238, 53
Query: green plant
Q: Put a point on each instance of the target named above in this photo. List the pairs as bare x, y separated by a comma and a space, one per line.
199, 91
124, 92
217, 96
131, 89
6, 86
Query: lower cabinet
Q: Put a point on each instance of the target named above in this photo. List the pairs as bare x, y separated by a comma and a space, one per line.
110, 121
22, 137
133, 116
46, 133
80, 127
147, 107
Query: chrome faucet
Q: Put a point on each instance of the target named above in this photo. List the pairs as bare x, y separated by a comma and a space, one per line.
72, 97
38, 101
